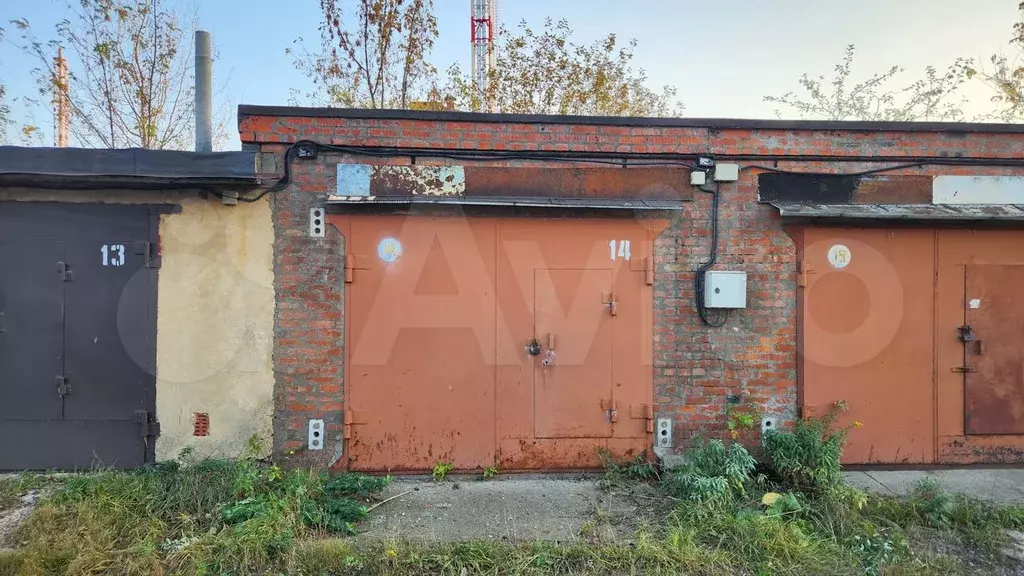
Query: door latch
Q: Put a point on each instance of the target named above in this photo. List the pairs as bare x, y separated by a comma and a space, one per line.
64, 270
533, 348
63, 388
966, 334
612, 303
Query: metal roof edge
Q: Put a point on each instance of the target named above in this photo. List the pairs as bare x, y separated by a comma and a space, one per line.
513, 201
934, 212
20, 164
712, 123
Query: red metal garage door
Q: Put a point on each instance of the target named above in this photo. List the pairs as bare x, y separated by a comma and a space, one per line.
867, 337
442, 314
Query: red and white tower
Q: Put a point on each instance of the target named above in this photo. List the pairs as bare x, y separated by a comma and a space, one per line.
482, 23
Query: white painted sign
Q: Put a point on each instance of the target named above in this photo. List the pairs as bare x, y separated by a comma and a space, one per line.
839, 256
978, 190
389, 249
619, 249
113, 254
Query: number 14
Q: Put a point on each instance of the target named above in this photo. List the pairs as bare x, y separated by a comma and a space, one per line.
623, 249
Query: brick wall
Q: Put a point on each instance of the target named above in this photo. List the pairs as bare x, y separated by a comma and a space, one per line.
695, 367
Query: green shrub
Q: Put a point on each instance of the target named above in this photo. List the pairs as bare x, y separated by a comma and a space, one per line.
808, 458
712, 471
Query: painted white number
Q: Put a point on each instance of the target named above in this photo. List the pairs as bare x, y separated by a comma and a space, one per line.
623, 249
113, 254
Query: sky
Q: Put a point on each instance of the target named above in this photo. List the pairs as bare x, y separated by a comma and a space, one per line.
724, 56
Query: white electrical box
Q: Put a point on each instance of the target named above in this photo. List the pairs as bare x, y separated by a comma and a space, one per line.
727, 172
698, 178
725, 289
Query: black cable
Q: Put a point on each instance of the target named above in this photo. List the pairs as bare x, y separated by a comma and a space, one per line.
848, 174
619, 159
699, 276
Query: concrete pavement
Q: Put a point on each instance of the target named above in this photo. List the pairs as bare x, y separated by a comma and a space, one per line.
996, 484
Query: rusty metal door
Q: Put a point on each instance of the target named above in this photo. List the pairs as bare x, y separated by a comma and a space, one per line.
993, 357
867, 330
420, 335
573, 374
440, 315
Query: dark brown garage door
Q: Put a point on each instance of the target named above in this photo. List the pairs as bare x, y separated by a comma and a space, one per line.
77, 335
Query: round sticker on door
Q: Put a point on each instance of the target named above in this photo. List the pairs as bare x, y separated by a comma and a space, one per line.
839, 256
389, 249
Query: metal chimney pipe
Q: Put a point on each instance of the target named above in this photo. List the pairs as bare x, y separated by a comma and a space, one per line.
204, 92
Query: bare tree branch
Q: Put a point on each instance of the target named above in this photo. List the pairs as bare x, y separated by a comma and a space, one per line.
131, 73
935, 97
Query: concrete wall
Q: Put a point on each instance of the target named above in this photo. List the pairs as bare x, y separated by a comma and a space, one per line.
215, 315
215, 327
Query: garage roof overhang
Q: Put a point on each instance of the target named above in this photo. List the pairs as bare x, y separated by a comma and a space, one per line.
82, 168
908, 212
648, 188
512, 202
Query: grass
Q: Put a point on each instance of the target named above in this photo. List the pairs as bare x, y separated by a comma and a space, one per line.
206, 517
217, 517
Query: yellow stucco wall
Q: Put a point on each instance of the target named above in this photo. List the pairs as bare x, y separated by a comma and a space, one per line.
215, 327
215, 317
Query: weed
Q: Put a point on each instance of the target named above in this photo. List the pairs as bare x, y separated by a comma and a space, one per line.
206, 517
808, 458
490, 472
979, 524
713, 471
617, 473
441, 470
739, 418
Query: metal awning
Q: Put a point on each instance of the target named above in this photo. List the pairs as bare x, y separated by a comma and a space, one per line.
943, 212
134, 168
513, 201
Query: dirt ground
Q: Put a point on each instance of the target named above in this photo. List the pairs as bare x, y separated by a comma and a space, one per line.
513, 508
11, 518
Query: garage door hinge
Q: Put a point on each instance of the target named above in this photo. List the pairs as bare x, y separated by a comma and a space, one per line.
802, 271
350, 266
149, 427
63, 388
352, 418
147, 251
64, 270
643, 412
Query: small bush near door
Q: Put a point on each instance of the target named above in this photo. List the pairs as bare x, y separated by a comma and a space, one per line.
809, 457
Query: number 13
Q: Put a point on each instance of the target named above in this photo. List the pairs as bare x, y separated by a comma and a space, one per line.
113, 254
